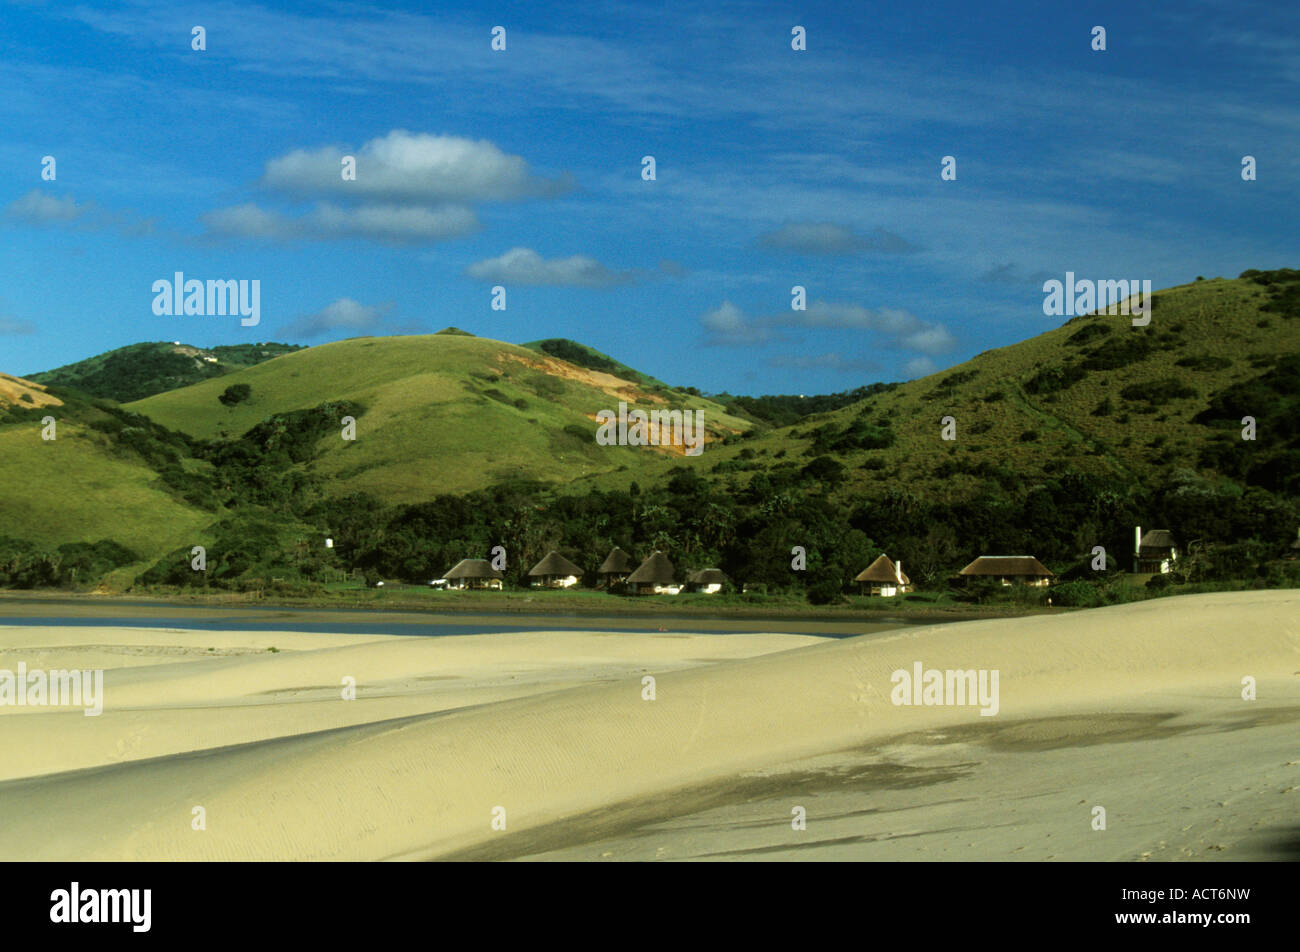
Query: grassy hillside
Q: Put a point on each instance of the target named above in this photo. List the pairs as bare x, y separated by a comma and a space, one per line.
1097, 395
141, 370
443, 413
88, 484
1063, 442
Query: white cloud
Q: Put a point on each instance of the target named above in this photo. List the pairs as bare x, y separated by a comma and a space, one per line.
824, 238
525, 266
396, 224
345, 314
11, 325
727, 326
902, 329
934, 339
413, 167
248, 221
920, 367
40, 208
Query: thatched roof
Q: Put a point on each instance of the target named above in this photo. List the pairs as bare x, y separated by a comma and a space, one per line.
656, 570
707, 577
1156, 539
473, 568
617, 562
555, 564
882, 570
1006, 565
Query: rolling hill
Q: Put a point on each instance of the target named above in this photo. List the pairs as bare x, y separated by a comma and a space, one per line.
83, 485
1133, 404
443, 413
1059, 442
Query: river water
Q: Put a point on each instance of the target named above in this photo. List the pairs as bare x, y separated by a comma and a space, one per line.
98, 611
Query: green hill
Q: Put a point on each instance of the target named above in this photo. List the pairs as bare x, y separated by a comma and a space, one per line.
1062, 442
444, 413
1097, 395
99, 480
141, 370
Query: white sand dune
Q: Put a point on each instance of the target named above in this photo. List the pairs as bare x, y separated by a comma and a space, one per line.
446, 730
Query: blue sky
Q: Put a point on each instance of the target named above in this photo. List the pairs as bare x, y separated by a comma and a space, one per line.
522, 168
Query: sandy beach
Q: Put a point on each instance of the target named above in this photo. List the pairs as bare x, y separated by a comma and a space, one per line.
1137, 709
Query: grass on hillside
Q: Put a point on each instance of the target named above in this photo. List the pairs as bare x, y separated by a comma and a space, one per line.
445, 414
74, 488
1096, 393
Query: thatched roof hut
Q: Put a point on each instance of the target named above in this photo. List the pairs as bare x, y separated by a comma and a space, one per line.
555, 564
473, 568
1009, 568
654, 575
617, 562
1154, 550
1155, 542
883, 577
883, 570
473, 573
555, 570
707, 577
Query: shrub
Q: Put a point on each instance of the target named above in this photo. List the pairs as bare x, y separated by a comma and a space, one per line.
825, 469
235, 393
1088, 333
1156, 392
1077, 595
826, 589
1204, 362
1113, 355
1052, 379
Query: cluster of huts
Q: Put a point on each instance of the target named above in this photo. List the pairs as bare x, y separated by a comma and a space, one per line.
655, 576
1153, 552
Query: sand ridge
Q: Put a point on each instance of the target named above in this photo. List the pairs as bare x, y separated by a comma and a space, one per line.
422, 781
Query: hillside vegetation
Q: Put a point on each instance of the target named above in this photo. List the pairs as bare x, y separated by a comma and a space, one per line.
105, 481
1060, 444
444, 413
141, 370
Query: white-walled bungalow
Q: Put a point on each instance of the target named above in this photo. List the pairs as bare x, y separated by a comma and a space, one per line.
1155, 551
708, 581
616, 567
654, 576
1010, 570
554, 571
883, 577
473, 573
